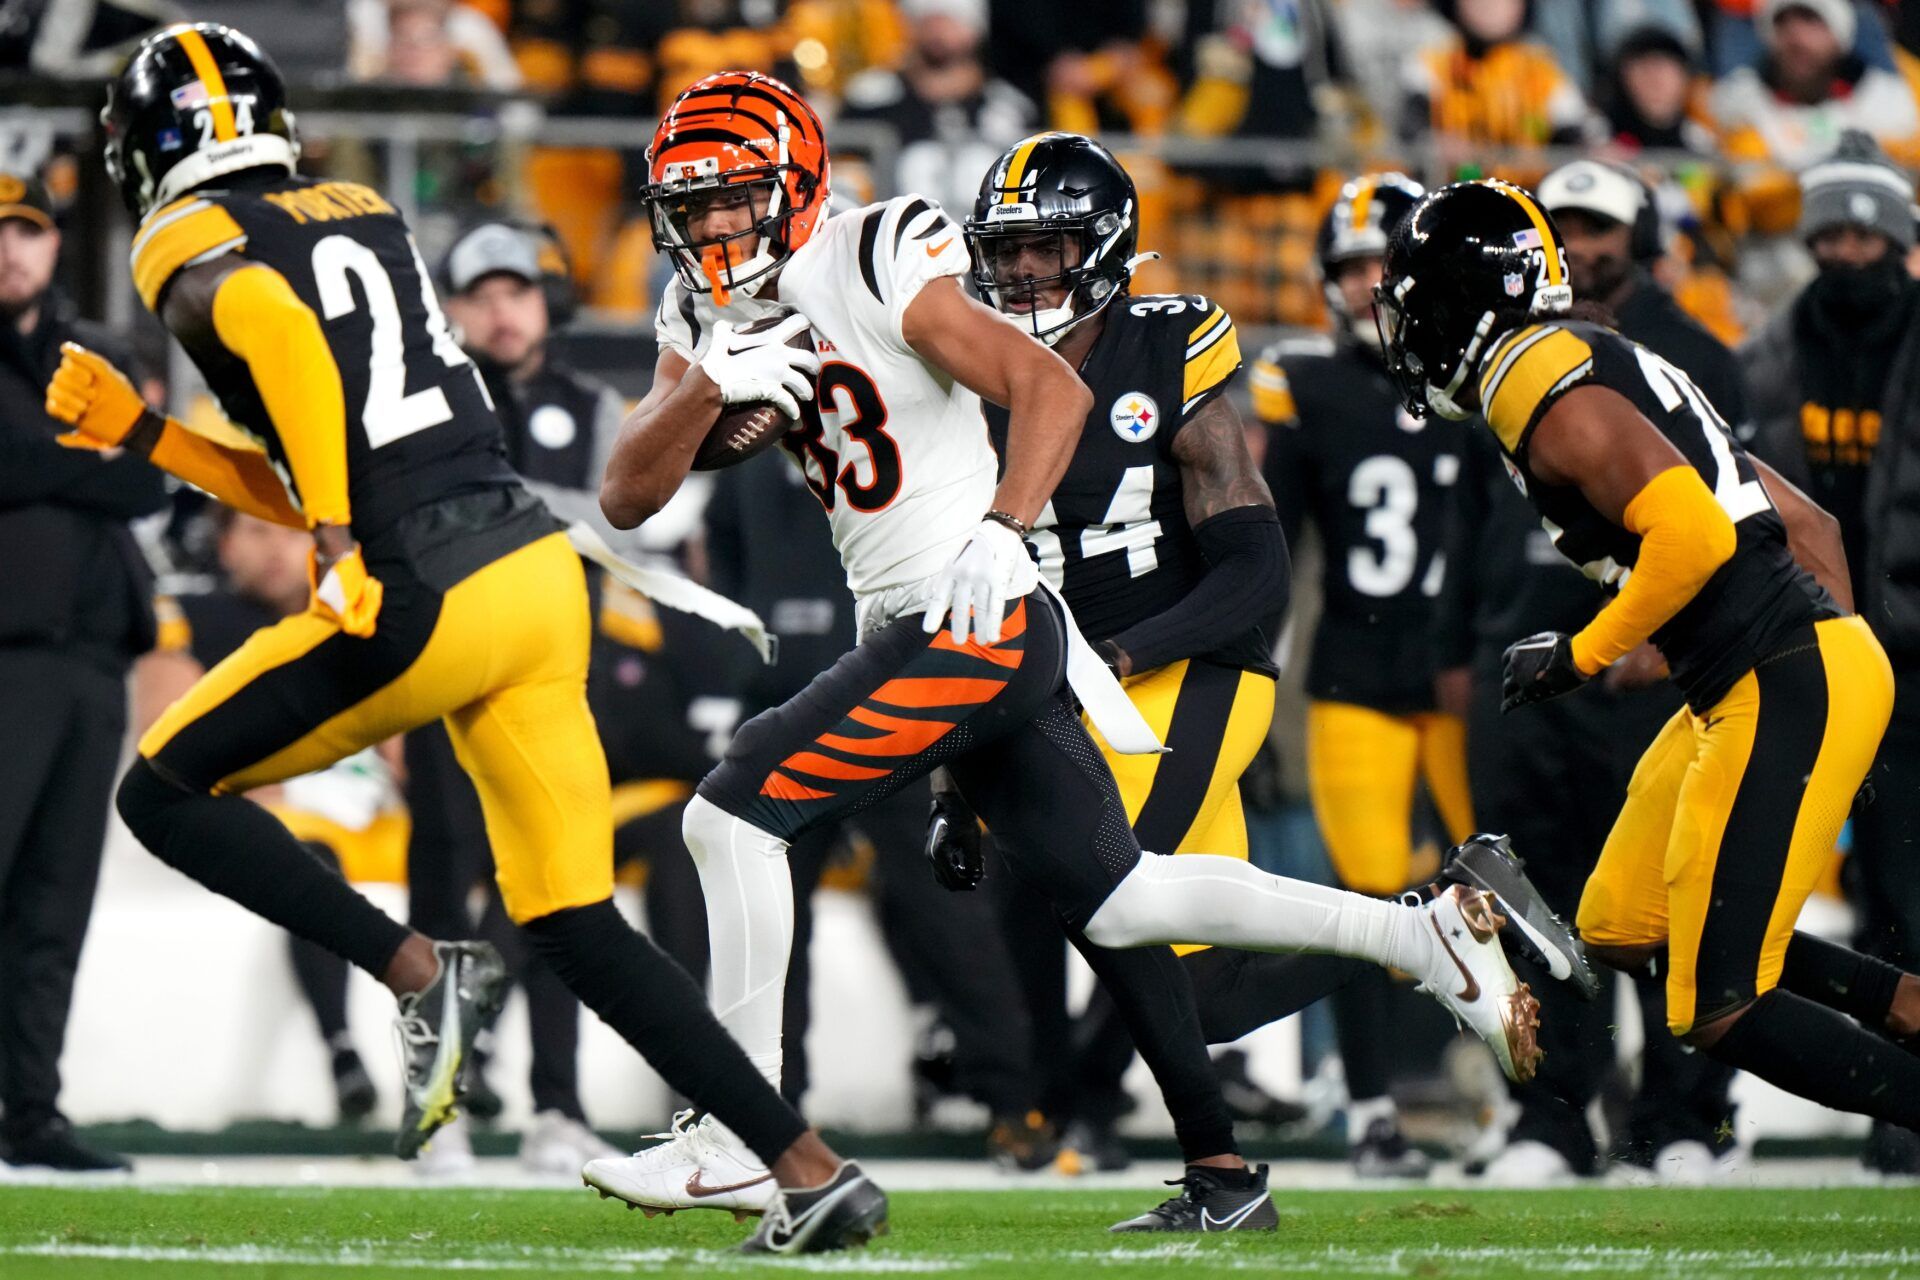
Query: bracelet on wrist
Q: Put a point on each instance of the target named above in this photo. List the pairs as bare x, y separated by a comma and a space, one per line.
1012, 522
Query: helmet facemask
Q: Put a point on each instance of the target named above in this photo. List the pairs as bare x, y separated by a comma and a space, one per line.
739, 261
1087, 274
1399, 334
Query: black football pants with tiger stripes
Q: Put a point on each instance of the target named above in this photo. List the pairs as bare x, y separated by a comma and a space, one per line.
1000, 718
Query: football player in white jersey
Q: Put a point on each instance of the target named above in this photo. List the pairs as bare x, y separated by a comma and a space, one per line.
966, 661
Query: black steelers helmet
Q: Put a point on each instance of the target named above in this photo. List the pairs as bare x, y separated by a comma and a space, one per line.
1069, 187
1471, 261
194, 102
1365, 214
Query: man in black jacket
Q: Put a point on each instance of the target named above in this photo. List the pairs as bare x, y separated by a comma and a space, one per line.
1835, 383
1553, 775
75, 610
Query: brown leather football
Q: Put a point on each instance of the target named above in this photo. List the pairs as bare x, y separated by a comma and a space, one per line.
743, 430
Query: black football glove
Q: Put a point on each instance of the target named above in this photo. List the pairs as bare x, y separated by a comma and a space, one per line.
1538, 668
953, 843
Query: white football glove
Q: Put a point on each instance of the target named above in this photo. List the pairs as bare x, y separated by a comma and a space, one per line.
754, 367
991, 569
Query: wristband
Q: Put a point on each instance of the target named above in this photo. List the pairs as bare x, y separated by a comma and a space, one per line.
1012, 522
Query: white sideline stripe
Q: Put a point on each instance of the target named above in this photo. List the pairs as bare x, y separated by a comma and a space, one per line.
544, 1261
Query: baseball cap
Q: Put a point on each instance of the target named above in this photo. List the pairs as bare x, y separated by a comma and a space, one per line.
1592, 187
491, 249
25, 198
1857, 186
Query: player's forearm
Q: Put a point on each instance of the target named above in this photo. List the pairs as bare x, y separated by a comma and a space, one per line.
1248, 579
1685, 537
240, 478
1046, 410
655, 450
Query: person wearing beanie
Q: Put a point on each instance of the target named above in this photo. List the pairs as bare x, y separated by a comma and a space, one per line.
1810, 88
1835, 385
1649, 93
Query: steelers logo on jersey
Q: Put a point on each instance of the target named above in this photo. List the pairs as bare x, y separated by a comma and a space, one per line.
1135, 417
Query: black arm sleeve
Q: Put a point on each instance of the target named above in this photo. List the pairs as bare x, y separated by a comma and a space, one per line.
1248, 581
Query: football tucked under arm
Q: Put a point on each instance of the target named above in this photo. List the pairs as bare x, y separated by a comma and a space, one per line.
749, 427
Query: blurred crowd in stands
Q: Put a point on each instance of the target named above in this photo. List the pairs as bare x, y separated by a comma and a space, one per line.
1238, 118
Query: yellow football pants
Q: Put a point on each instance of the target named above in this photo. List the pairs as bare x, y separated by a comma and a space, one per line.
1767, 776
1362, 765
501, 656
1214, 719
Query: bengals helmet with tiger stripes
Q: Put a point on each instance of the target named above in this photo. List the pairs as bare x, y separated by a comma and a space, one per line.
736, 130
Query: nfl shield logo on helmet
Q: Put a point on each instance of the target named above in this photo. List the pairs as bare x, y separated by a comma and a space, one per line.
1516, 284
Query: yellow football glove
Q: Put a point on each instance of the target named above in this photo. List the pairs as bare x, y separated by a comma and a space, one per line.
90, 394
345, 592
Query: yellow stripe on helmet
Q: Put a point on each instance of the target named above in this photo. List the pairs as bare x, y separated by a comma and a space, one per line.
1017, 168
1362, 203
208, 71
1548, 244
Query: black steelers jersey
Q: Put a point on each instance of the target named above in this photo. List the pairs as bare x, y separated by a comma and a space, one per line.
1373, 479
1114, 538
419, 426
1754, 601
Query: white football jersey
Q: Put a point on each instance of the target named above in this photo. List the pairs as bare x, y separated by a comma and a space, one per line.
901, 462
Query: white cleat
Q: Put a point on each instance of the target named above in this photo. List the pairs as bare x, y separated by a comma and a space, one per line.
698, 1166
1469, 974
558, 1145
1528, 1164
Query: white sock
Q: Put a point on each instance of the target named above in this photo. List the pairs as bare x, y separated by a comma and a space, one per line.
1197, 897
749, 893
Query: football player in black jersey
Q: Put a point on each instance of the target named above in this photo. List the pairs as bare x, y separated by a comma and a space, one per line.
1161, 536
441, 588
1741, 583
1373, 479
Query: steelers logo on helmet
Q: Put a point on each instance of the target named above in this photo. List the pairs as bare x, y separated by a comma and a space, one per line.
1052, 233
1134, 417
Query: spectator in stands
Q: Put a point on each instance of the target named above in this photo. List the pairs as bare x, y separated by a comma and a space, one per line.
431, 44
1835, 381
1381, 38
1271, 71
1649, 94
1734, 37
1792, 108
950, 116
75, 610
1488, 84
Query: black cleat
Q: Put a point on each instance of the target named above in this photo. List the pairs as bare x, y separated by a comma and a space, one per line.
1489, 862
477, 1095
353, 1090
435, 1028
1384, 1152
1246, 1100
1024, 1142
54, 1145
1892, 1150
1207, 1203
845, 1213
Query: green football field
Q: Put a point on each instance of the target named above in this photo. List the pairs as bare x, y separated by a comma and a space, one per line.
193, 1233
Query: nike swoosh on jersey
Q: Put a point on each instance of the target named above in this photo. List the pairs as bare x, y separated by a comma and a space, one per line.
1472, 989
699, 1190
1210, 1223
933, 250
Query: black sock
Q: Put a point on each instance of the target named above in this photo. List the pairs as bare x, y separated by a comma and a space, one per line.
322, 975
1155, 999
1361, 1033
1240, 991
237, 849
655, 1007
1823, 1056
1827, 973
